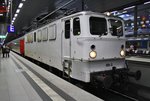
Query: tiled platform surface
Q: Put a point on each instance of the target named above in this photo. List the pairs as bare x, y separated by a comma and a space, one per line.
21, 80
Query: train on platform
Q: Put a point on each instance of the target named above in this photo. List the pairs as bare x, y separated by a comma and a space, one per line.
85, 46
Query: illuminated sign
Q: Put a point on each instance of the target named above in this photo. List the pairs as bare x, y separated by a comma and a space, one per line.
2, 36
3, 9
11, 29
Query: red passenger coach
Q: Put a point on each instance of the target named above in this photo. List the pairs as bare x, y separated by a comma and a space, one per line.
18, 46
22, 46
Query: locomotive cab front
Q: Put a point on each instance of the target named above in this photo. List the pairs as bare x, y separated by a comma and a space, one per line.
97, 46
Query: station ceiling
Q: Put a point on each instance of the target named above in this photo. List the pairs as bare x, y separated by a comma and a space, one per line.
32, 9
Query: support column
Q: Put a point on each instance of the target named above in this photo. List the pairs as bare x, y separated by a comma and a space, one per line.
135, 21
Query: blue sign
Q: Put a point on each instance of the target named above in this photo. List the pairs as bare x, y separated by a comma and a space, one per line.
11, 29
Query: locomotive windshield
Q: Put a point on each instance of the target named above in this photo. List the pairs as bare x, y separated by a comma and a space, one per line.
98, 26
116, 28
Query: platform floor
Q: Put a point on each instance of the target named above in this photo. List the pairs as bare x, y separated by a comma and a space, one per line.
19, 82
139, 59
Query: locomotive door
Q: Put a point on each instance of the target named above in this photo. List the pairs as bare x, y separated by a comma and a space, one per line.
66, 48
66, 40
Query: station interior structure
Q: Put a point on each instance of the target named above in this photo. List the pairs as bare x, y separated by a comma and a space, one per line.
23, 80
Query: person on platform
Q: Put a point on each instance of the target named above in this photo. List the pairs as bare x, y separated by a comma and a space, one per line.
3, 51
7, 51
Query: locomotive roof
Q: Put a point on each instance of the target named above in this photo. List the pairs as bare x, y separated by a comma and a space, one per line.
89, 13
84, 13
75, 15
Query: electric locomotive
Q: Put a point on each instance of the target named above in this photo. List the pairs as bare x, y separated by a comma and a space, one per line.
86, 46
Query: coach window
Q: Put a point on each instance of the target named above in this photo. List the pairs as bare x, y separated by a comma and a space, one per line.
45, 34
34, 36
31, 37
98, 26
76, 26
28, 38
39, 35
67, 29
52, 32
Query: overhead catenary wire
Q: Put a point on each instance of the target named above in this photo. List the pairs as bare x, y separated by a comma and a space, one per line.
56, 10
53, 12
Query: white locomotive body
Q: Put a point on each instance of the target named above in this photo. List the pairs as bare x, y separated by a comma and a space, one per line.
84, 46
79, 44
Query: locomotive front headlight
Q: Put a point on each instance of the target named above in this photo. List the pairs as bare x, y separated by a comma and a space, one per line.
93, 54
122, 53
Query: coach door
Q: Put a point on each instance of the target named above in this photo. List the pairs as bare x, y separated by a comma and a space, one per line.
66, 48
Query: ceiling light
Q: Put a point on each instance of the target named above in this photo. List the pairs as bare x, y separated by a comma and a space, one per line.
18, 10
108, 13
23, 0
124, 12
128, 7
138, 17
1, 14
20, 5
16, 15
147, 2
14, 18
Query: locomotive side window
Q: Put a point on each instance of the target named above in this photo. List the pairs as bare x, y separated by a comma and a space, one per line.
116, 28
98, 26
30, 38
52, 32
45, 34
34, 36
67, 29
39, 35
76, 26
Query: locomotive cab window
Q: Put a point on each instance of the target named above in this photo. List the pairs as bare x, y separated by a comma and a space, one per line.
67, 29
98, 26
116, 28
76, 26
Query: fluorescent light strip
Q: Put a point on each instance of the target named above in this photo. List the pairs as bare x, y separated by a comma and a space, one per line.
20, 5
18, 10
14, 18
1, 14
16, 15
128, 7
147, 2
